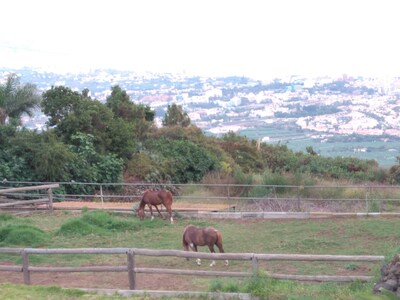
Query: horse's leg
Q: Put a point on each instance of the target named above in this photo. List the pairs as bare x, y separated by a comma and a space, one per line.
221, 250
211, 247
151, 211
185, 246
159, 211
169, 210
194, 249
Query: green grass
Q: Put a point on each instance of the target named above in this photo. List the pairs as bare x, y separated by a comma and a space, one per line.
352, 236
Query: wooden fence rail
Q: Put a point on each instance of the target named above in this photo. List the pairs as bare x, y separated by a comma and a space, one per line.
132, 269
48, 200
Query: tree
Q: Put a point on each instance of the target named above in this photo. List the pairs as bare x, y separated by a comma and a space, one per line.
139, 115
181, 160
17, 99
122, 106
311, 151
175, 116
72, 112
58, 102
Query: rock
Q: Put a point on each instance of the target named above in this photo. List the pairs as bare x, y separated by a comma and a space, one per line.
390, 285
390, 276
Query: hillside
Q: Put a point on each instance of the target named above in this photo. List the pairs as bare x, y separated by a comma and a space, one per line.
357, 117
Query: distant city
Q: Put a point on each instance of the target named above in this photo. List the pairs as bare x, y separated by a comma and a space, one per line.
337, 116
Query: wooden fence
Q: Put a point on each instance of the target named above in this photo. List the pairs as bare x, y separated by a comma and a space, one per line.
47, 200
132, 269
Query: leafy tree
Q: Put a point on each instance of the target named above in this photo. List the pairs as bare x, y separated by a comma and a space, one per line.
394, 172
311, 151
34, 156
243, 151
89, 117
122, 106
175, 116
51, 158
90, 166
183, 160
142, 116
71, 112
123, 141
58, 103
17, 99
119, 102
12, 166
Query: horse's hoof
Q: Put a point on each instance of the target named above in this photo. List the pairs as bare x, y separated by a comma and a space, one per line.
212, 263
198, 261
226, 263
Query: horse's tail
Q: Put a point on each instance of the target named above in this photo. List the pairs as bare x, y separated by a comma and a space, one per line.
185, 244
218, 242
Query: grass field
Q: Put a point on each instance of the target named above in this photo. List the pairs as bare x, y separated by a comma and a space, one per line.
367, 236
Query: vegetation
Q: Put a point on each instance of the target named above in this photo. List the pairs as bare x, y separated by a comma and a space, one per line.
90, 141
17, 99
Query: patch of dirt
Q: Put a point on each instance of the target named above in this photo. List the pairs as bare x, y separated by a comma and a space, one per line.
116, 280
131, 205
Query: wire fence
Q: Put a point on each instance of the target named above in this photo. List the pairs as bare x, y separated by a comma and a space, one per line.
238, 197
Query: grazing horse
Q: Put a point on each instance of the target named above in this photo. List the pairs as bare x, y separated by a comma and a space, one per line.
154, 198
194, 236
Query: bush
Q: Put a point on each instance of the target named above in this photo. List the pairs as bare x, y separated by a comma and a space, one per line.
96, 222
276, 179
260, 285
106, 221
78, 227
22, 235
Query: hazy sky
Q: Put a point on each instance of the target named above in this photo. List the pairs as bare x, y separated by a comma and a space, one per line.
258, 38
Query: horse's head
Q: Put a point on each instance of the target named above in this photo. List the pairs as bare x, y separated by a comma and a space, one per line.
140, 213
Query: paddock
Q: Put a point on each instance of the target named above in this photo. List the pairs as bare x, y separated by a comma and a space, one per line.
131, 268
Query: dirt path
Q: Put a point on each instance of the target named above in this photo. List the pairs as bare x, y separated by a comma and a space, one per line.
130, 205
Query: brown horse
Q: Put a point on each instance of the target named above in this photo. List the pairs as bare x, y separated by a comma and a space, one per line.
194, 236
154, 198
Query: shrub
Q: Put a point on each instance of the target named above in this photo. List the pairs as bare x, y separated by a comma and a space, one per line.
270, 178
96, 222
78, 227
22, 235
260, 285
106, 221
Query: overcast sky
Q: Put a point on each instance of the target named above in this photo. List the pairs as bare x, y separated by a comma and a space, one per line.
257, 38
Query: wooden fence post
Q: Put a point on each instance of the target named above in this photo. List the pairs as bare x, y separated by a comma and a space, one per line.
25, 267
131, 269
298, 199
254, 261
50, 195
101, 196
